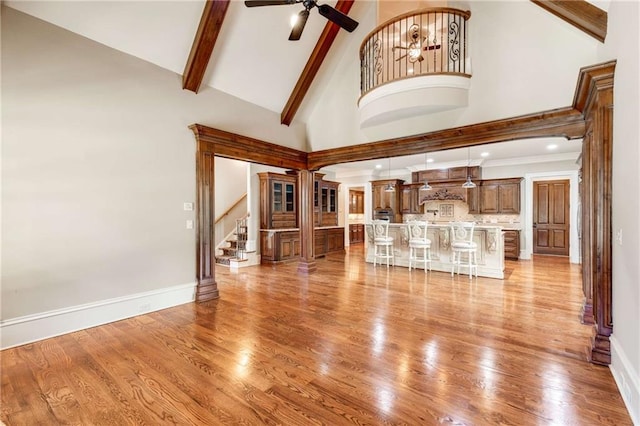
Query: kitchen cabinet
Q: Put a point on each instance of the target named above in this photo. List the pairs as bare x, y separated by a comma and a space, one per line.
356, 202
388, 200
499, 196
278, 198
411, 199
356, 233
443, 175
328, 240
325, 197
511, 244
279, 246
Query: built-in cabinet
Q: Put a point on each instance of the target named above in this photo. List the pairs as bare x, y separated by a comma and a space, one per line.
495, 196
391, 200
356, 202
325, 200
411, 199
278, 198
443, 175
511, 244
356, 233
279, 233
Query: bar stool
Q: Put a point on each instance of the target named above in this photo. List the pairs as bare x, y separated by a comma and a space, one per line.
382, 242
418, 240
462, 242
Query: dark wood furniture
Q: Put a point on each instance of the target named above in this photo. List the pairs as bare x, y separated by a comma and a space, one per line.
356, 233
511, 244
388, 200
325, 201
495, 196
444, 175
411, 199
278, 199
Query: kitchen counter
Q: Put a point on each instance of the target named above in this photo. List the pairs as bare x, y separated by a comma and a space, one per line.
489, 238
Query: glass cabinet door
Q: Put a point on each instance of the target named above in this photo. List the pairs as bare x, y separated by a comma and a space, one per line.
289, 198
277, 197
332, 200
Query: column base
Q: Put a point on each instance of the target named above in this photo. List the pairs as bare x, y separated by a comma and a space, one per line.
207, 291
306, 267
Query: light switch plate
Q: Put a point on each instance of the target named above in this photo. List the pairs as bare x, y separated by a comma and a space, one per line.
189, 224
188, 207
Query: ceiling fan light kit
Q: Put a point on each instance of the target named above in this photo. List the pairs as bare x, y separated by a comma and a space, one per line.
331, 13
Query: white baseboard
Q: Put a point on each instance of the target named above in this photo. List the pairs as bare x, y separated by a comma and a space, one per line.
627, 379
31, 328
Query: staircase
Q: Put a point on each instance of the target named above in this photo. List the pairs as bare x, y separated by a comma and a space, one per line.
236, 251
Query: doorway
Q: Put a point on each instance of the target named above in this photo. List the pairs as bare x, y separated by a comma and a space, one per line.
551, 218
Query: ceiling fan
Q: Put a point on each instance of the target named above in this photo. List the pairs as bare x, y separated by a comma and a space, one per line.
416, 47
325, 10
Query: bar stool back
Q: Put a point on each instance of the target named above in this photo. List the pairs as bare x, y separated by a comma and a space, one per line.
462, 243
382, 243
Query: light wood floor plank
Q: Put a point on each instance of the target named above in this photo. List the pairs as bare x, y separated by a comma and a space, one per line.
348, 344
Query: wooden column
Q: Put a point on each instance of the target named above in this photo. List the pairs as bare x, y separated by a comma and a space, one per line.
205, 240
594, 97
307, 261
586, 233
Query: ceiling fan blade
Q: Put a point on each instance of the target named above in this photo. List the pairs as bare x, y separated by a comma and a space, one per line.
401, 57
337, 17
257, 3
296, 31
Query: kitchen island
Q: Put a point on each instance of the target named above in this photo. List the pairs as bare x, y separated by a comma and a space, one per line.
489, 238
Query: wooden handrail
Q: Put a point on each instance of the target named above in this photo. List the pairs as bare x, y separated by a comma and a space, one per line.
226, 212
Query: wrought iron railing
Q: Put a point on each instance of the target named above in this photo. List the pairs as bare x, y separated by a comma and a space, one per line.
426, 41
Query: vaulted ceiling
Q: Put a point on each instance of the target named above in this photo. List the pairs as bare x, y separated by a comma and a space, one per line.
238, 50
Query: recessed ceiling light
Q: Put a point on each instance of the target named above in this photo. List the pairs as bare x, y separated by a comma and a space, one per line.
429, 160
378, 166
484, 154
552, 146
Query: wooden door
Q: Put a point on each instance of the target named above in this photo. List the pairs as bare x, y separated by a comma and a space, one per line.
551, 217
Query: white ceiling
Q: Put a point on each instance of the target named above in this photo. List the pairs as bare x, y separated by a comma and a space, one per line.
253, 59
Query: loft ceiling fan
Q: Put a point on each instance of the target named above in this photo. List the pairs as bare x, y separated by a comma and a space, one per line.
325, 10
416, 47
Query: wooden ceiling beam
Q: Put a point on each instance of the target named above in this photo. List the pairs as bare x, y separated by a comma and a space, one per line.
563, 122
313, 65
579, 13
203, 43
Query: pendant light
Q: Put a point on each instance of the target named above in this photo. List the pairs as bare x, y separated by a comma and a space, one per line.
425, 186
389, 187
468, 184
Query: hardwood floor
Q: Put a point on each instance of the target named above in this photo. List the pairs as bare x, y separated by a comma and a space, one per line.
349, 344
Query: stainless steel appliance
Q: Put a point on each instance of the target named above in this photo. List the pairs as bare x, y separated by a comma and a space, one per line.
384, 214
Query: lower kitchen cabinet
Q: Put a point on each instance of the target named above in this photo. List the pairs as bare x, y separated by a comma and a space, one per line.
328, 240
279, 246
511, 244
356, 233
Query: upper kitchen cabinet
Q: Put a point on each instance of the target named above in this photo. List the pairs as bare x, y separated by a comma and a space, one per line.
411, 199
387, 200
499, 196
356, 202
443, 175
325, 201
278, 195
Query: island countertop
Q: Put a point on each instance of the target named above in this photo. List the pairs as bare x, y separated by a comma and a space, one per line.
488, 237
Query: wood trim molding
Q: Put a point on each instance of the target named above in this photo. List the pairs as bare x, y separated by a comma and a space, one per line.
313, 65
243, 148
564, 122
590, 80
203, 43
594, 97
207, 288
579, 13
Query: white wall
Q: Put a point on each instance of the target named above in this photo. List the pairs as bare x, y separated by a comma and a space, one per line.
622, 44
524, 60
231, 183
97, 163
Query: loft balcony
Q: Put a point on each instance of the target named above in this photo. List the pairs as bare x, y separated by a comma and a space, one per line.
416, 63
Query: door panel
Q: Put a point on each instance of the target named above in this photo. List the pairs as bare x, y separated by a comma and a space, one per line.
551, 217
